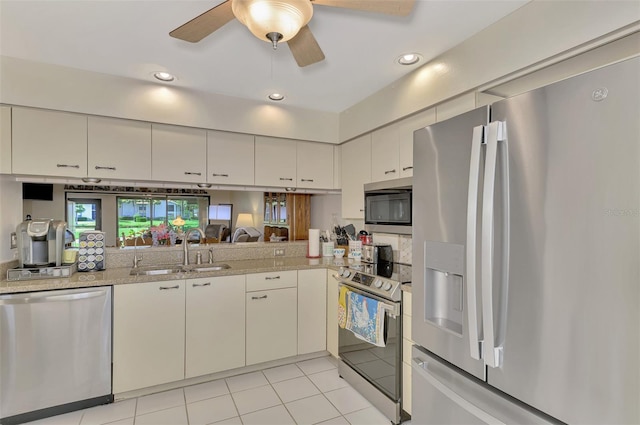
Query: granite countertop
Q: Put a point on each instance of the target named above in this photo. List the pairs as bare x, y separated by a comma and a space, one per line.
119, 276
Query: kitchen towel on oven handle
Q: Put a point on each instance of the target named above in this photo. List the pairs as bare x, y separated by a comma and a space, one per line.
342, 307
365, 318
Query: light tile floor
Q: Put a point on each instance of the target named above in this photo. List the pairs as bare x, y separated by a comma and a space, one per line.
308, 392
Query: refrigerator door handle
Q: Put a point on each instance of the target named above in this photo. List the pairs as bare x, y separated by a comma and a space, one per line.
475, 344
491, 352
430, 370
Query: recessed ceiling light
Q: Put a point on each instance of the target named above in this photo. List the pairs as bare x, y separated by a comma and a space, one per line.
409, 59
164, 76
276, 97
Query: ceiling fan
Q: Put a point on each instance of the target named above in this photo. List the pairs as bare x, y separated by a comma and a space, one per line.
281, 21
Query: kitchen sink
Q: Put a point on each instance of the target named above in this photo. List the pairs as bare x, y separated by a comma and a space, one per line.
200, 268
160, 270
152, 271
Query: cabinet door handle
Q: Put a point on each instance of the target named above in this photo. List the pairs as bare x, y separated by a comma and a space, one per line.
220, 175
410, 167
390, 171
67, 166
306, 180
286, 179
195, 285
191, 173
169, 287
259, 298
361, 209
98, 167
272, 277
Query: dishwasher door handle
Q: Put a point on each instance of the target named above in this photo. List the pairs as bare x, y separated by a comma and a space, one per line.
33, 299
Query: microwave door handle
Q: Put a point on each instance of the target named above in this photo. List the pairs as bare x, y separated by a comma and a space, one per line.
475, 344
495, 132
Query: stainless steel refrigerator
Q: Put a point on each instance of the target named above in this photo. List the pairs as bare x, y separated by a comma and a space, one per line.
526, 257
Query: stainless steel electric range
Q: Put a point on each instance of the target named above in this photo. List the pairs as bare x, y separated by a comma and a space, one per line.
376, 371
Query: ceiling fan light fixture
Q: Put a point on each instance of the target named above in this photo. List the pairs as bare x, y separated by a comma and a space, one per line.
409, 59
276, 97
263, 17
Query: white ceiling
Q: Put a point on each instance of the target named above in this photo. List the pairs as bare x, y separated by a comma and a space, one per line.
130, 38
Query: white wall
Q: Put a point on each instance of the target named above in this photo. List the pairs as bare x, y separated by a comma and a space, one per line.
10, 215
28, 83
538, 31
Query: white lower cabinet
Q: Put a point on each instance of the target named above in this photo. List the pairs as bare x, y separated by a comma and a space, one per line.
332, 313
148, 334
271, 324
215, 325
312, 311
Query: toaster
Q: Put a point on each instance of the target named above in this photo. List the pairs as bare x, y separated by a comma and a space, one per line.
377, 253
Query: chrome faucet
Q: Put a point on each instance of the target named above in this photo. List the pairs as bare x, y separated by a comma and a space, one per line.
185, 242
136, 260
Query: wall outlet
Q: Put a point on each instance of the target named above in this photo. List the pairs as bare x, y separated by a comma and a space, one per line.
278, 252
14, 240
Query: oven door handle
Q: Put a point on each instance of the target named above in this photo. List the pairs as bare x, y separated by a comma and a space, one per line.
393, 309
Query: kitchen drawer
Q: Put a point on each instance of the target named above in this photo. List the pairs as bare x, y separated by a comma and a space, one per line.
272, 280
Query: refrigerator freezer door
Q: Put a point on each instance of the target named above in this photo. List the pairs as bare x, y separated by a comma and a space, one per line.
440, 320
443, 395
571, 338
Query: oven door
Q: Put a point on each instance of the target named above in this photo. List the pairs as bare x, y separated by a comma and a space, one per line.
381, 366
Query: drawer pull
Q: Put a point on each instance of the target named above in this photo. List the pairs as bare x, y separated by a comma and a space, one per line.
67, 166
191, 173
306, 180
195, 285
286, 179
407, 168
389, 172
272, 277
98, 167
220, 175
259, 298
169, 287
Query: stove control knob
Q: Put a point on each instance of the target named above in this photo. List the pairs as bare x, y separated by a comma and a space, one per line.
346, 273
387, 286
377, 283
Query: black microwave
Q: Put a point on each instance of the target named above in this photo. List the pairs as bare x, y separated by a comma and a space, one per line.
387, 206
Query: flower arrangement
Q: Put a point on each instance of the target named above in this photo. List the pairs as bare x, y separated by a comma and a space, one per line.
162, 235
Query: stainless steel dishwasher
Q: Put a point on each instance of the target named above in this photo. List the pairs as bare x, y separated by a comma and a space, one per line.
55, 352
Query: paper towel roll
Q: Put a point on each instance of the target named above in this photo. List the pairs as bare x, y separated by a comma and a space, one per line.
314, 242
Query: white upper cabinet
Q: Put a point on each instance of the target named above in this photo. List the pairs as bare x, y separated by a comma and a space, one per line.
314, 165
405, 137
275, 162
179, 154
385, 154
5, 139
356, 171
119, 149
230, 158
49, 143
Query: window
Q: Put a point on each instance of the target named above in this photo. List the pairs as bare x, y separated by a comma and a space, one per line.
82, 215
137, 214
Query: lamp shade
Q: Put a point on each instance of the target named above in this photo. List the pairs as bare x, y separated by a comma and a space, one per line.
178, 221
262, 17
244, 220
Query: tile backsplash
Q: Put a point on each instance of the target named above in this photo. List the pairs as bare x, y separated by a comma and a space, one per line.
401, 245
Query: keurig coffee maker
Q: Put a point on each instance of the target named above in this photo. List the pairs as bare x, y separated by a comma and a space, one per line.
41, 242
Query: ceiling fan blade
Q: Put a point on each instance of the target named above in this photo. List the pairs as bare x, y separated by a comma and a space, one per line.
389, 7
305, 48
204, 24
